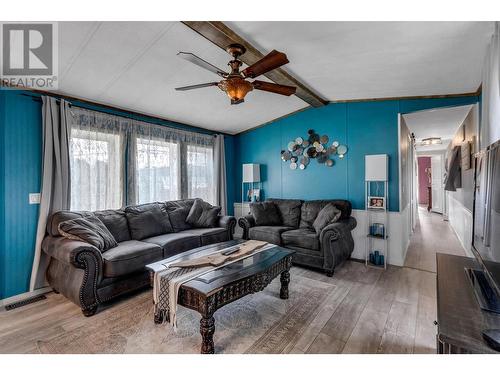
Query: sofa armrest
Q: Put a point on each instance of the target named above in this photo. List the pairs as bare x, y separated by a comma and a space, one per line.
337, 243
70, 251
75, 256
229, 223
246, 222
335, 231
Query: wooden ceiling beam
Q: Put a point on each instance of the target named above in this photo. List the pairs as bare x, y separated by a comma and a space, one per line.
221, 35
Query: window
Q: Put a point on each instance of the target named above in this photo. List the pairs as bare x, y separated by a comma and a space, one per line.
157, 171
96, 170
158, 163
200, 183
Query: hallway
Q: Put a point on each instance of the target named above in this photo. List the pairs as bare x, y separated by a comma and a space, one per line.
431, 235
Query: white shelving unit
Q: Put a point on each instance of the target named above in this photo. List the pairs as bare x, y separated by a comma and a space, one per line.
376, 171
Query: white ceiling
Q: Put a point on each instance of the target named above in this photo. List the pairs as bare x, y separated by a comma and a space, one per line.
133, 65
361, 60
442, 122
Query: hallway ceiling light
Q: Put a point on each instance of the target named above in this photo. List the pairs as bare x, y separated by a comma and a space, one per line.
431, 141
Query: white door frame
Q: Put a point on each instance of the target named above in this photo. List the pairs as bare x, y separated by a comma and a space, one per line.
442, 156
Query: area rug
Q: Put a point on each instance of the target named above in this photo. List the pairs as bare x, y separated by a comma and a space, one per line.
257, 323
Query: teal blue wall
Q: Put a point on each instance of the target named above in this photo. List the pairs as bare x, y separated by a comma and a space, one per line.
21, 124
20, 172
365, 127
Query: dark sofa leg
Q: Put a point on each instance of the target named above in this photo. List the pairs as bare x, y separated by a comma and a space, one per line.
329, 273
89, 311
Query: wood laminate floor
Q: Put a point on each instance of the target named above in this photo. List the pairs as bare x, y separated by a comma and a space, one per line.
370, 311
432, 235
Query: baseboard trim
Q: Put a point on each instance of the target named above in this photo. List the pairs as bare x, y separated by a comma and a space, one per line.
23, 296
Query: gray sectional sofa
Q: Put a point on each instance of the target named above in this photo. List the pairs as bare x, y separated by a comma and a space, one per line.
294, 230
145, 234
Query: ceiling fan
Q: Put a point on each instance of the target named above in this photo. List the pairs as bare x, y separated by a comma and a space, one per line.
234, 84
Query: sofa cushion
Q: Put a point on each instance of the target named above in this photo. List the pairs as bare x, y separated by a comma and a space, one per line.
130, 256
265, 213
289, 210
147, 220
175, 243
178, 212
310, 210
203, 214
328, 214
116, 222
209, 235
302, 237
88, 229
58, 217
267, 233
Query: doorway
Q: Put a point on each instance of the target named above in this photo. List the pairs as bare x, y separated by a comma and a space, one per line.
435, 132
430, 182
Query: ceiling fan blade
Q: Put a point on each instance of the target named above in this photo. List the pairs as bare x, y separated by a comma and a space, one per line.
272, 60
237, 101
274, 88
192, 87
192, 58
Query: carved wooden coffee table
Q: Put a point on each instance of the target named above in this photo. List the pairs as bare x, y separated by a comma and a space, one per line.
209, 292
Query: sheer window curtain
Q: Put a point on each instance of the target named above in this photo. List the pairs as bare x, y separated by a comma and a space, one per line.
200, 171
118, 161
168, 164
153, 167
97, 159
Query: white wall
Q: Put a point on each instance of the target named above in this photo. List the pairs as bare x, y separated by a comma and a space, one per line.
398, 231
460, 219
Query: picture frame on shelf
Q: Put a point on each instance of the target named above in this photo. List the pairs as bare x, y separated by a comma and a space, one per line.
249, 195
256, 195
376, 203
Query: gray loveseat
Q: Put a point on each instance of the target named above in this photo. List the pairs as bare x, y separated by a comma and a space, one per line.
145, 234
324, 250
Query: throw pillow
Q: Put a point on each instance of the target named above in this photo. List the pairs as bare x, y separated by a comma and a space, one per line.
327, 215
203, 214
265, 213
178, 212
147, 220
116, 222
88, 229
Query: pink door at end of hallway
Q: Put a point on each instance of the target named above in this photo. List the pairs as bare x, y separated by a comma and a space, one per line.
424, 162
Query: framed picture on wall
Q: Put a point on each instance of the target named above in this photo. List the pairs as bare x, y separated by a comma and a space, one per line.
376, 202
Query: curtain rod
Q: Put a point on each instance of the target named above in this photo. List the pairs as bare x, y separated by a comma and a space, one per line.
58, 99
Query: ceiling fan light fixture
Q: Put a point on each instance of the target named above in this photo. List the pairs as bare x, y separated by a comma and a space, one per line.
236, 88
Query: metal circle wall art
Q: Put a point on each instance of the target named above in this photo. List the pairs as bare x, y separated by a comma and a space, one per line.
301, 150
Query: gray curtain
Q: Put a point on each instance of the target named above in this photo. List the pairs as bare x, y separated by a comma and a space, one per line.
55, 191
220, 173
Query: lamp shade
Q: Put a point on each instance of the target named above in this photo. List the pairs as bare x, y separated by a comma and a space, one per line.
251, 172
376, 167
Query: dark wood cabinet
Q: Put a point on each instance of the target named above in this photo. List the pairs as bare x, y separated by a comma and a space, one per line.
460, 320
